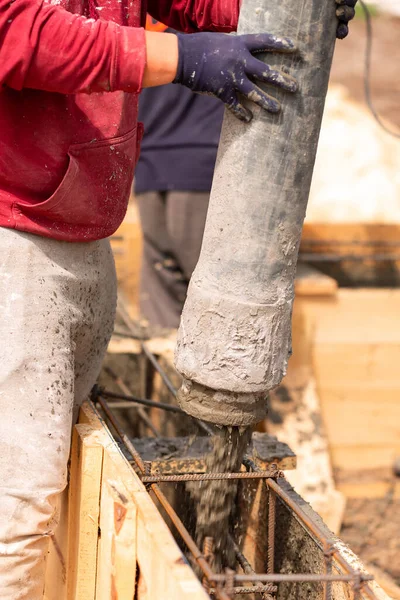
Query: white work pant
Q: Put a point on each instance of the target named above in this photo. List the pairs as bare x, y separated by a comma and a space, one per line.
57, 306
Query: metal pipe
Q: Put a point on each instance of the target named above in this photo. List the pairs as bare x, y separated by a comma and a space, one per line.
124, 388
234, 338
144, 401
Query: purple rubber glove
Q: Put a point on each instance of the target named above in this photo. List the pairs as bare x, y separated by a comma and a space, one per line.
345, 13
223, 65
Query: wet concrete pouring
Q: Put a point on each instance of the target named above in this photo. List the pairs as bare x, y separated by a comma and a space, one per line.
215, 500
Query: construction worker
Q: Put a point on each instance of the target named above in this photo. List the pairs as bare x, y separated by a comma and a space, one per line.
70, 74
172, 186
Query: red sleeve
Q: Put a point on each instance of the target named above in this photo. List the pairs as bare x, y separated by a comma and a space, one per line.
195, 15
45, 47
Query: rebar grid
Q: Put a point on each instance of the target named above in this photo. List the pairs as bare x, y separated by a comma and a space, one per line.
224, 586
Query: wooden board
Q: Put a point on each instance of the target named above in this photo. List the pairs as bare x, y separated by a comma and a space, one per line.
361, 415
311, 282
367, 316
355, 457
157, 345
354, 364
354, 353
116, 562
56, 564
126, 244
332, 234
83, 514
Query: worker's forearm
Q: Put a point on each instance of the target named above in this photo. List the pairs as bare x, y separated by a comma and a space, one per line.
161, 58
47, 48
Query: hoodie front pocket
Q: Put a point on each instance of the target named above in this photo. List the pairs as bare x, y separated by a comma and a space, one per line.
94, 192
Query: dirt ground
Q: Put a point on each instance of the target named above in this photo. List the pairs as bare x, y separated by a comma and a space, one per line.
348, 65
371, 528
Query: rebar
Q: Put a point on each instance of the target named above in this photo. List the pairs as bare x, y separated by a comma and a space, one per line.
207, 477
208, 552
259, 589
271, 531
125, 389
329, 551
144, 401
124, 438
248, 570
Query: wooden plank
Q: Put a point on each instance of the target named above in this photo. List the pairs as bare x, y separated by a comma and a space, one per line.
358, 457
116, 564
83, 516
311, 282
361, 416
348, 232
56, 564
126, 244
351, 364
368, 489
367, 482
386, 582
157, 345
367, 316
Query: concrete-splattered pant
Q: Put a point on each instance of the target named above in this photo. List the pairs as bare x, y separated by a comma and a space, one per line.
173, 225
57, 304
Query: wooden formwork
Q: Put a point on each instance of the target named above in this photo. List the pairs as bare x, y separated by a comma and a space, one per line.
112, 543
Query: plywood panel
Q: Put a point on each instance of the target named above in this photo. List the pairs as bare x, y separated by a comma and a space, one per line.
357, 316
352, 364
126, 244
361, 416
364, 456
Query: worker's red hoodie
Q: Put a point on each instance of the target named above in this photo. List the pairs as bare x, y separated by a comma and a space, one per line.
69, 81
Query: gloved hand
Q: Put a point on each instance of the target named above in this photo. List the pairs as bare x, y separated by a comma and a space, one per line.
224, 65
345, 13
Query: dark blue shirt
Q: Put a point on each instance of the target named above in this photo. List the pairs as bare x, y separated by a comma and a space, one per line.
181, 138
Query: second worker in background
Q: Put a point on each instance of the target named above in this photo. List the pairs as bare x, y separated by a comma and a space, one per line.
172, 184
